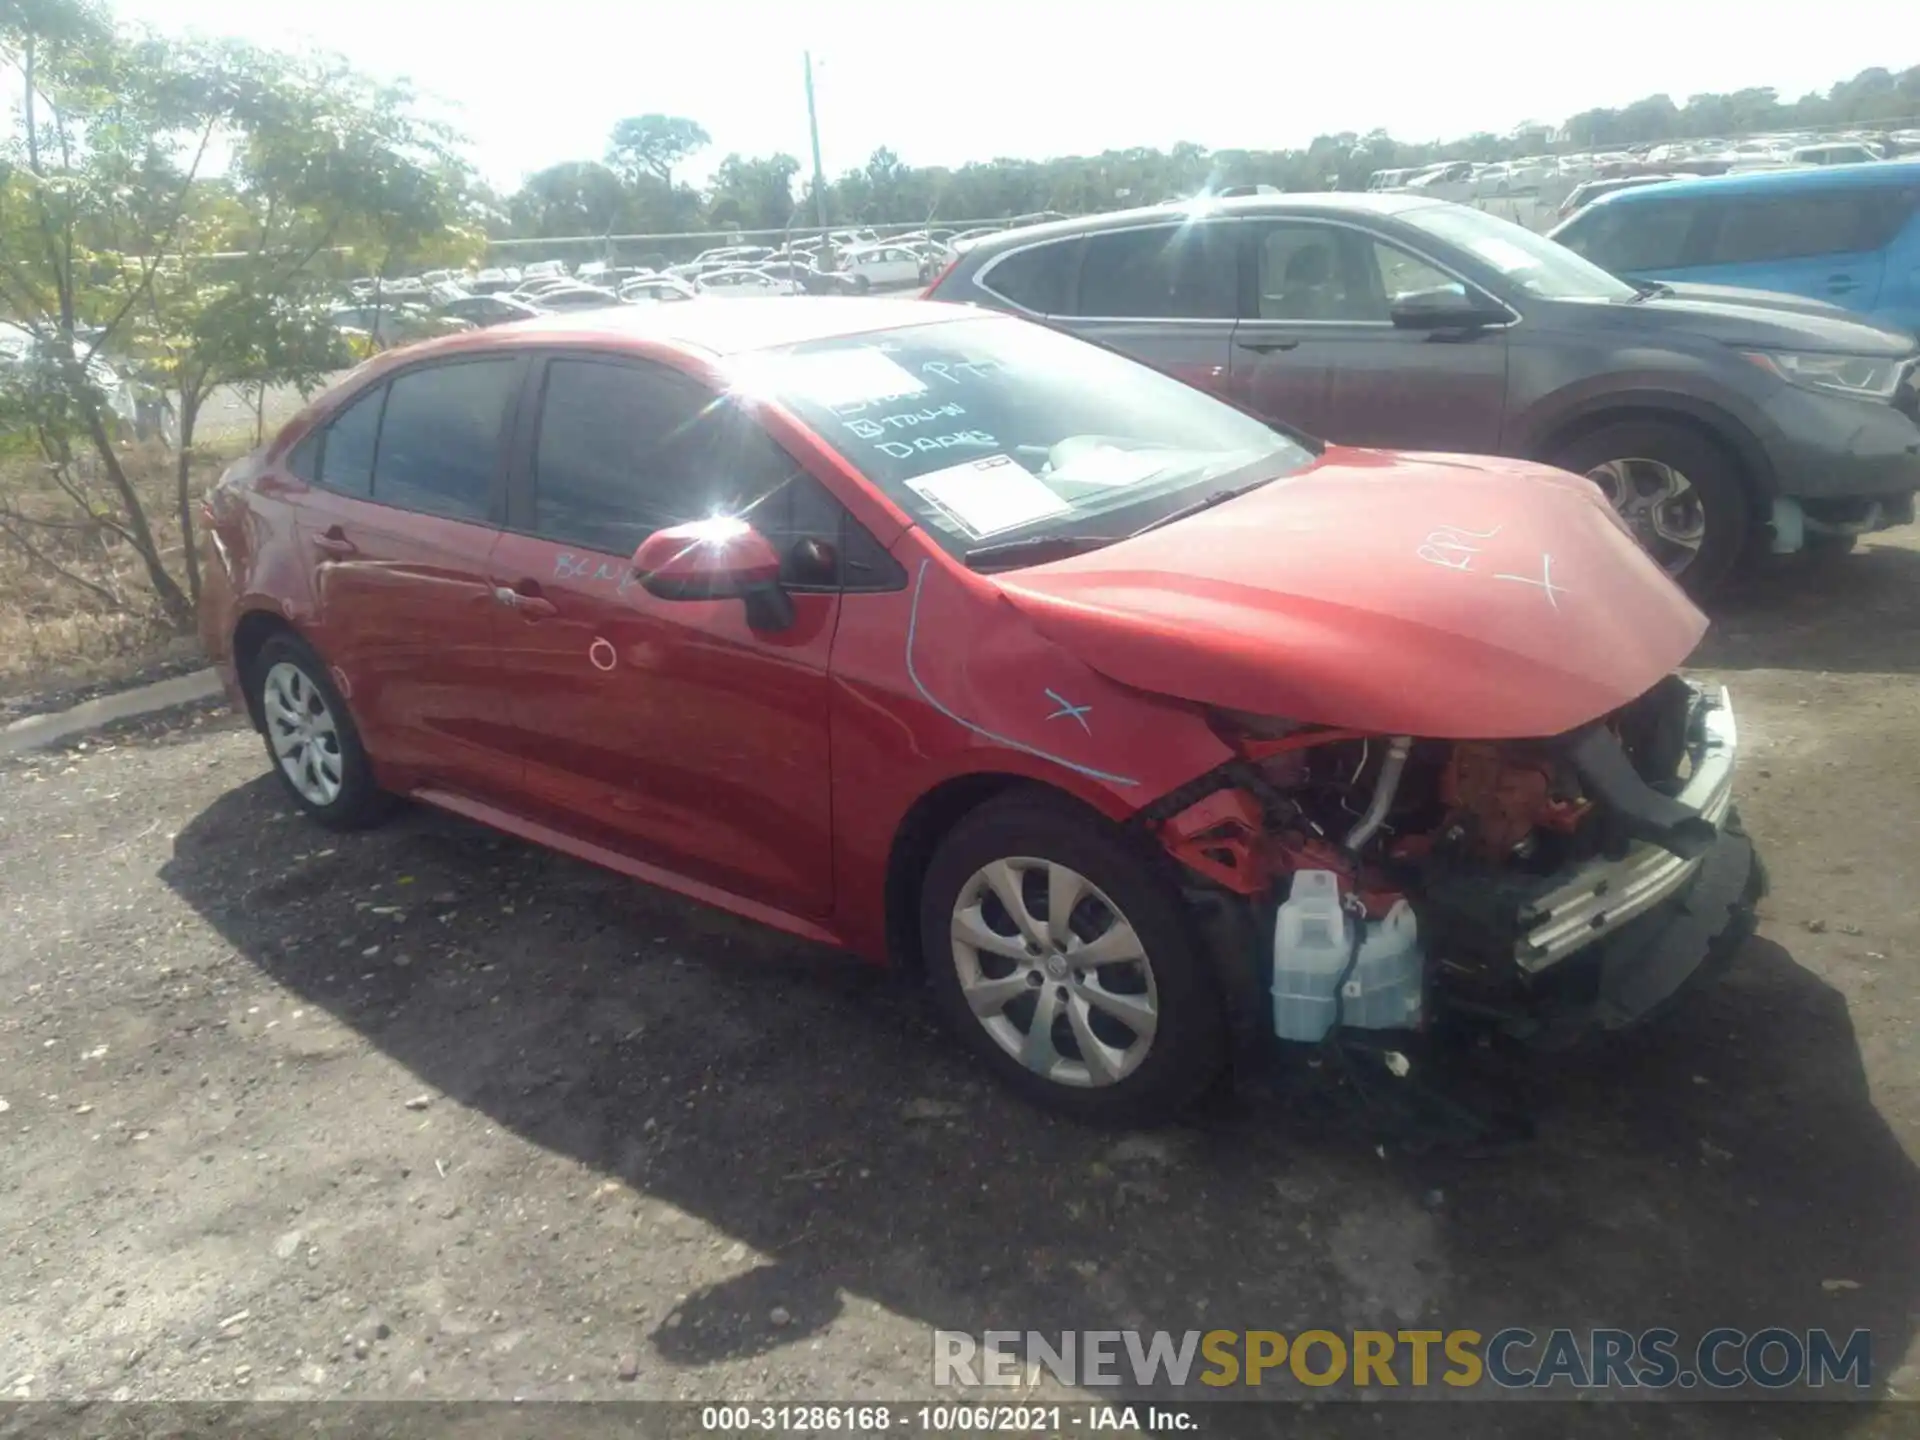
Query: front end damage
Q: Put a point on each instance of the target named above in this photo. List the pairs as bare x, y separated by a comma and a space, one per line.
1385, 889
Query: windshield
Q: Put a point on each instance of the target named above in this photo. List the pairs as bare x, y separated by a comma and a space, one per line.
997, 429
1537, 265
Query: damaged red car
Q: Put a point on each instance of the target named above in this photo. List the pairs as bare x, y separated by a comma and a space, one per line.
1153, 734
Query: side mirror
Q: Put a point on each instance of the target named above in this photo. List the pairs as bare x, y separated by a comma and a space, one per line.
1449, 307
716, 560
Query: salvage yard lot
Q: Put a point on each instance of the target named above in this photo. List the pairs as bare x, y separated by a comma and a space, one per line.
427, 1112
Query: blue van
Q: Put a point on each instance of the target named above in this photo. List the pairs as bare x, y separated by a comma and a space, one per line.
1848, 235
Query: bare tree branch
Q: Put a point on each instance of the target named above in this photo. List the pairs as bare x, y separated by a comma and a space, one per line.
10, 522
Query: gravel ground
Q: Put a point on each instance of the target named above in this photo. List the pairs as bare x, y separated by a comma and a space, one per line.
429, 1113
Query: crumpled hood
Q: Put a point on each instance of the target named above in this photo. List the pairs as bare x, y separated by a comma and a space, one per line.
1445, 596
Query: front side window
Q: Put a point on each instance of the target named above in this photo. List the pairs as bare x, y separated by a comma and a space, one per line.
1402, 273
1634, 235
440, 438
995, 428
1166, 272
625, 449
1303, 272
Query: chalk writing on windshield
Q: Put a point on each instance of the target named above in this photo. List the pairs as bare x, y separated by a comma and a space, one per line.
934, 444
905, 420
953, 371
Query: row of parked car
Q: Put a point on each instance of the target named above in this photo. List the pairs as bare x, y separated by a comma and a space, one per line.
844, 262
1566, 183
1720, 418
1688, 345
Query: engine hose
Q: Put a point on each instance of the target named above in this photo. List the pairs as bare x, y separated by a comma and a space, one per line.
1384, 789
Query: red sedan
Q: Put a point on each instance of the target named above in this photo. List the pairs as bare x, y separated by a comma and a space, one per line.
1152, 733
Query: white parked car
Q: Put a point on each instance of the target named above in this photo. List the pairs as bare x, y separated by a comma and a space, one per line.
1850, 152
1452, 181
656, 288
881, 267
740, 280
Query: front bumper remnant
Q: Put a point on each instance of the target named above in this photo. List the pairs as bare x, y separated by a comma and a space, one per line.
1606, 895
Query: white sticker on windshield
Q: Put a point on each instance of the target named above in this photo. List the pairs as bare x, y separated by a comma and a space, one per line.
991, 495
1109, 465
850, 379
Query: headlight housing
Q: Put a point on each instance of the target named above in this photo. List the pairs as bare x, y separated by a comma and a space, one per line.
1864, 377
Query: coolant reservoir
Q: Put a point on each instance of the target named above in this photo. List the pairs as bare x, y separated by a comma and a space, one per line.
1313, 940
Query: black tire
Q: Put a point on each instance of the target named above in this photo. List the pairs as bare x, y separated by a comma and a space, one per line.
360, 801
1188, 1048
862, 284
1712, 472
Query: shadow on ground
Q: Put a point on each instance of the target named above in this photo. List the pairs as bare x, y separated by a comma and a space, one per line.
1722, 1170
1857, 612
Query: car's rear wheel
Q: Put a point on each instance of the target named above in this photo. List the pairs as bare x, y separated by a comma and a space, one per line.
311, 738
1678, 491
1063, 959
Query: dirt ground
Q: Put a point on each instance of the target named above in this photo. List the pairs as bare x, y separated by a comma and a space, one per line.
429, 1113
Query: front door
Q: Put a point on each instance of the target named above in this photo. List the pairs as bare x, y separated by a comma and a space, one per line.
1316, 347
668, 730
399, 529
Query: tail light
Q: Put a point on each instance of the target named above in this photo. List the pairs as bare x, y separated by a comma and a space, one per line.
938, 280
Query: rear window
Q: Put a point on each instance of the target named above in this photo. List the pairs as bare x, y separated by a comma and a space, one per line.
1166, 272
1755, 229
1039, 278
440, 439
346, 455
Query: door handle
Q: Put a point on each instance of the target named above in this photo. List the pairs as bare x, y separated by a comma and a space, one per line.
1840, 284
525, 599
1267, 347
334, 541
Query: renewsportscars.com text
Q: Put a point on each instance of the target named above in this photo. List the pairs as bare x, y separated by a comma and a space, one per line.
1509, 1359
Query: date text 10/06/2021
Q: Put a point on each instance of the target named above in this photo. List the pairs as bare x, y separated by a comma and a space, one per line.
974, 1419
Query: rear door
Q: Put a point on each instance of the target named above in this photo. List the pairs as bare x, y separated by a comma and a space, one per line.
398, 531
1164, 294
1825, 243
1316, 347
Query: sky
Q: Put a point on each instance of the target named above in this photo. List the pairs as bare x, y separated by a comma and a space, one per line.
958, 80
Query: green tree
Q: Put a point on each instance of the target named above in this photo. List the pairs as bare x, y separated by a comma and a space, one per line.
653, 145
753, 194
575, 197
117, 245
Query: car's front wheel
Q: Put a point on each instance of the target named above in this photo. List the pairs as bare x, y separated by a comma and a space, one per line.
311, 738
1678, 491
1064, 960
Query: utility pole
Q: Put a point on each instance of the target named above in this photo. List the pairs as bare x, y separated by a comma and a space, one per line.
819, 177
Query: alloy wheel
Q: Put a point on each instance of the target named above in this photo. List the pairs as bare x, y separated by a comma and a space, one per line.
1054, 972
1660, 506
304, 733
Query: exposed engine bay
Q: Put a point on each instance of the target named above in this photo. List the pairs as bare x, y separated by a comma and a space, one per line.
1520, 884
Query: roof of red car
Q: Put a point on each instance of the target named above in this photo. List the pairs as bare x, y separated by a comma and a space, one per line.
724, 326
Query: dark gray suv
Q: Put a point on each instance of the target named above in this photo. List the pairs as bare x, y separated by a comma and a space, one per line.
1415, 324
